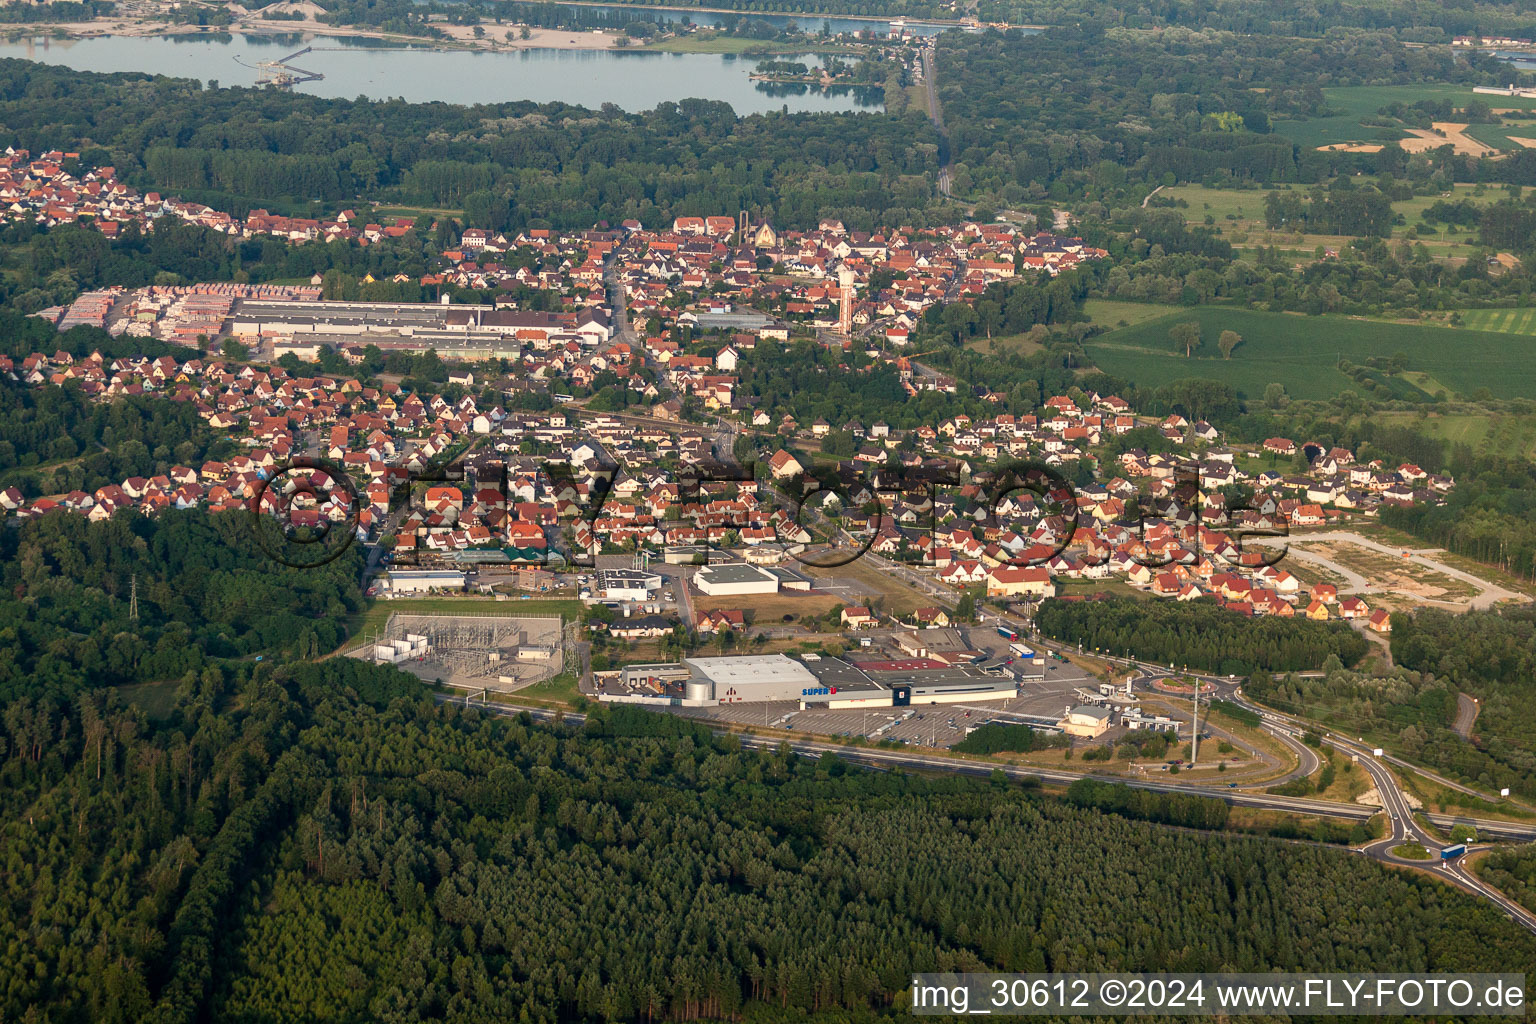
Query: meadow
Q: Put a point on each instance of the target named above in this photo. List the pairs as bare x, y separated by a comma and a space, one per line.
1242, 210
1301, 353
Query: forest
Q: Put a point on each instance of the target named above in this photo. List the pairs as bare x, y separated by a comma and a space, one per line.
1513, 872
1070, 113
54, 440
323, 842
1490, 655
207, 596
1199, 635
549, 165
1410, 705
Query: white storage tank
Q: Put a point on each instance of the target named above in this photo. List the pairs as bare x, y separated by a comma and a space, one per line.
697, 691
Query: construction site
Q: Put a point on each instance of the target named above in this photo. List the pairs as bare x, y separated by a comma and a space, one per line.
500, 653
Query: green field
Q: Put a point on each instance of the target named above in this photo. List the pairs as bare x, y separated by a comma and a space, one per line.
1486, 432
1500, 134
1112, 313
1503, 321
1301, 353
1356, 102
1237, 209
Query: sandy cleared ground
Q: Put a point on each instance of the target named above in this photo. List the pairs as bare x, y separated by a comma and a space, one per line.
1352, 147
1446, 132
1381, 572
1522, 141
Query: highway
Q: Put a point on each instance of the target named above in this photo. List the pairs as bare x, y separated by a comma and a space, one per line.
918, 761
1403, 828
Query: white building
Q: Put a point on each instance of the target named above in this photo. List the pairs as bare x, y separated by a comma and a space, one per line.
751, 677
422, 581
733, 580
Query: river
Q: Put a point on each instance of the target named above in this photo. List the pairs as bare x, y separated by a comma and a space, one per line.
634, 80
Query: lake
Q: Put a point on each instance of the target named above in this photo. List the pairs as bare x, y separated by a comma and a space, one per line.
633, 80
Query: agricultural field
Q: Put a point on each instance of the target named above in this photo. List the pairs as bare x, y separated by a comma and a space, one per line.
1356, 102
1503, 321
1301, 354
1505, 136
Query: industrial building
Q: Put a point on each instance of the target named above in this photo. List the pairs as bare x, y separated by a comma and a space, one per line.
750, 677
422, 581
461, 331
1086, 722
622, 585
735, 580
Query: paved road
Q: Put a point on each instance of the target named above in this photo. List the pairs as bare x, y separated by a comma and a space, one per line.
966, 766
1403, 828
936, 115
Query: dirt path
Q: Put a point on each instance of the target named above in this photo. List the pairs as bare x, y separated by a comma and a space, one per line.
1489, 594
1466, 715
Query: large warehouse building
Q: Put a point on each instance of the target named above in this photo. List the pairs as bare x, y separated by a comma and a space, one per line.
735, 580
820, 681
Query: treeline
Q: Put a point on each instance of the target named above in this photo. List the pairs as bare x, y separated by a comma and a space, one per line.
1489, 516
685, 877
1411, 711
1186, 810
55, 11
1000, 738
1008, 307
1338, 211
1512, 871
1199, 634
810, 381
1421, 20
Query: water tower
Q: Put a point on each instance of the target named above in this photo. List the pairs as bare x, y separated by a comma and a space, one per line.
845, 280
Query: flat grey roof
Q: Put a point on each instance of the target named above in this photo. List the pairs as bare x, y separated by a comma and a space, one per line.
752, 668
836, 672
735, 573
